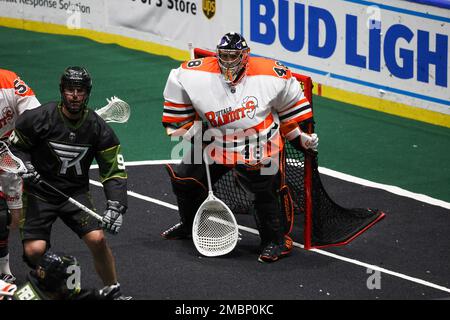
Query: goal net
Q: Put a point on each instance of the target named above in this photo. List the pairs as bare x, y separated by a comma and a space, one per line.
303, 197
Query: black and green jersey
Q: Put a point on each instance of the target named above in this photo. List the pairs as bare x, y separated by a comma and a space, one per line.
62, 151
31, 291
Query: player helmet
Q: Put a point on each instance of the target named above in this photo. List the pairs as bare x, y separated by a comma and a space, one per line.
232, 55
75, 77
52, 272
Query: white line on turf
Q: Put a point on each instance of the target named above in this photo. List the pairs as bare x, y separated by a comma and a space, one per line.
319, 251
334, 174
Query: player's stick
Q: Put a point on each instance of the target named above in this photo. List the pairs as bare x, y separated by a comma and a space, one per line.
215, 230
116, 110
10, 163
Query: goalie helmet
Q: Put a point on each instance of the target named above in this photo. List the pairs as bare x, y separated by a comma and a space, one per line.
52, 273
75, 77
232, 55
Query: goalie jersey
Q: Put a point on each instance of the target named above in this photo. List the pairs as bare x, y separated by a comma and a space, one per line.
248, 117
62, 152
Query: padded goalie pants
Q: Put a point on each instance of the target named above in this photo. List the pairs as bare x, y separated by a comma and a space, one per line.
189, 183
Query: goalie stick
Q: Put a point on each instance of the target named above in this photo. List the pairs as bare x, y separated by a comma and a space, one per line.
214, 231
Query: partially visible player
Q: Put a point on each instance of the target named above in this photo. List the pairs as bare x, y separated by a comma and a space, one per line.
58, 143
15, 97
57, 277
246, 103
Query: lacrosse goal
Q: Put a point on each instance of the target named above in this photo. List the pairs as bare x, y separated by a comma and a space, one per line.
324, 222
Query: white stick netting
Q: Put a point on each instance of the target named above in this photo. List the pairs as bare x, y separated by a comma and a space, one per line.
9, 162
116, 110
215, 231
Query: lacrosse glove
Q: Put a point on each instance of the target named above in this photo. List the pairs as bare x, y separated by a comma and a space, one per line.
112, 218
31, 175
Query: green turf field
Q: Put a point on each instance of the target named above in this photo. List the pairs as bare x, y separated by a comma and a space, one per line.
364, 143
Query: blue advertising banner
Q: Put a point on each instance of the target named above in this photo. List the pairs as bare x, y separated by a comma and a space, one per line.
437, 3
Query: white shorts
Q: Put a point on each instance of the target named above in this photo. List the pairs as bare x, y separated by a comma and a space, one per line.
11, 185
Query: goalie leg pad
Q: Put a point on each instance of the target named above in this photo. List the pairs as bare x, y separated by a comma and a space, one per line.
287, 207
189, 185
254, 182
269, 218
186, 178
189, 190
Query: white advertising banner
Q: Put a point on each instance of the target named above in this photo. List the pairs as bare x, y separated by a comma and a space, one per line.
174, 22
87, 14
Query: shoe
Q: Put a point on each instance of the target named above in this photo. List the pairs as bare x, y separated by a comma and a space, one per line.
178, 231
8, 278
273, 251
113, 293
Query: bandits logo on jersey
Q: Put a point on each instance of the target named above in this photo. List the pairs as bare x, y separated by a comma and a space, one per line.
229, 115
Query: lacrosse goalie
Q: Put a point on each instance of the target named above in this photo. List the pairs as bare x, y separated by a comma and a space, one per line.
244, 102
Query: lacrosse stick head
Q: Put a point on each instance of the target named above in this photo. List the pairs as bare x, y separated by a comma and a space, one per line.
116, 110
214, 231
9, 162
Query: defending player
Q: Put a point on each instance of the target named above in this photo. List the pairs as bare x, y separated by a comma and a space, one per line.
244, 101
58, 143
15, 97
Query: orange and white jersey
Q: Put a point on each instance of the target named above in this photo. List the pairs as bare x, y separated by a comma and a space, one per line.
15, 98
245, 120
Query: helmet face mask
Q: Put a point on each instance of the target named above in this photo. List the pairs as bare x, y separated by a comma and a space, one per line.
75, 87
232, 55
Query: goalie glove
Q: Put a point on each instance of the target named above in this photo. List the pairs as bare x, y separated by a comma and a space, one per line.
306, 141
112, 218
309, 141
